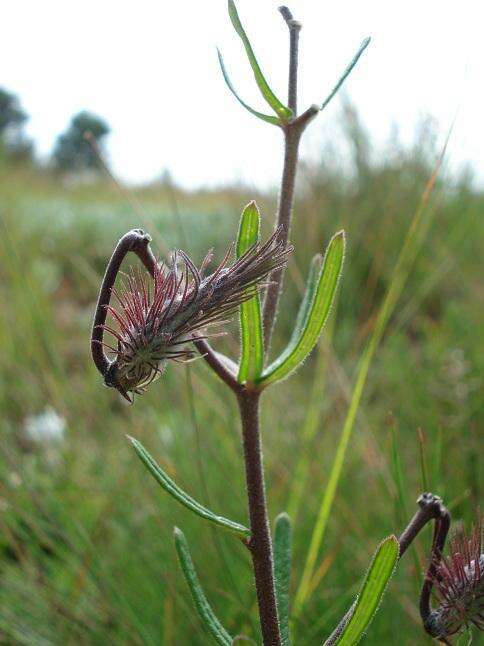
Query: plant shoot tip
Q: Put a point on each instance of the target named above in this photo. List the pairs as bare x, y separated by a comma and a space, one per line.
283, 516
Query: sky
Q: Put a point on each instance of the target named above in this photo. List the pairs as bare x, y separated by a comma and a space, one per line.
151, 70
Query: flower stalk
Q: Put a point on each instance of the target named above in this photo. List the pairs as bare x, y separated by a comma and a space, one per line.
260, 543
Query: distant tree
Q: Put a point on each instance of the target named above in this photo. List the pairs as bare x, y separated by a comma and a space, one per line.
13, 141
12, 117
75, 148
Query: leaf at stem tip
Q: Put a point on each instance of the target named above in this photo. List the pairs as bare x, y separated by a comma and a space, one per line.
313, 313
346, 73
372, 591
204, 610
181, 496
252, 351
265, 117
282, 572
283, 112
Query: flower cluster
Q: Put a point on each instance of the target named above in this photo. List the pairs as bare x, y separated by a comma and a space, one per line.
157, 317
459, 585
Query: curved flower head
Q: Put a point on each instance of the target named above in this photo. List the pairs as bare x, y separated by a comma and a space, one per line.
459, 586
156, 318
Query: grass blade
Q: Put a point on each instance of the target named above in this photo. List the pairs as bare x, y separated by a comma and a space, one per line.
205, 612
310, 426
398, 476
412, 243
313, 312
178, 494
252, 354
283, 112
423, 460
282, 571
370, 596
260, 115
346, 73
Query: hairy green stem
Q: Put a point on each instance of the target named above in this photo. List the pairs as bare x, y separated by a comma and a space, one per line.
292, 136
260, 543
294, 29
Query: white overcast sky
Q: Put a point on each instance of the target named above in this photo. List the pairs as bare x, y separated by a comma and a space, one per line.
150, 69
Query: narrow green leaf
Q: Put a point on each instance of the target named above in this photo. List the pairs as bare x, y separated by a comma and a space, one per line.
252, 355
308, 298
346, 73
313, 312
423, 460
205, 612
416, 234
249, 229
398, 475
282, 572
178, 494
282, 111
367, 602
251, 360
265, 117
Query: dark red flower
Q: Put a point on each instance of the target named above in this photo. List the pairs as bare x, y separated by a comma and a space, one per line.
459, 586
157, 318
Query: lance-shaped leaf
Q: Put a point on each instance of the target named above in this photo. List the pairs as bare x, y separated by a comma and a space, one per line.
282, 572
346, 73
252, 355
313, 313
205, 612
178, 494
265, 117
367, 602
282, 111
307, 301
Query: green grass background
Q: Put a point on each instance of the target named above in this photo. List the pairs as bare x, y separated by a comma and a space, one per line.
86, 549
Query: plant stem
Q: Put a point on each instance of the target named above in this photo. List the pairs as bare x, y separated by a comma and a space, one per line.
260, 543
292, 136
219, 363
294, 29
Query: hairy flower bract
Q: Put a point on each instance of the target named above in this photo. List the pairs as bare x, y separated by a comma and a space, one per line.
157, 317
459, 585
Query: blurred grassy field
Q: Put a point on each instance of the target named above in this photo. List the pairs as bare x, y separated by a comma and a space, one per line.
86, 550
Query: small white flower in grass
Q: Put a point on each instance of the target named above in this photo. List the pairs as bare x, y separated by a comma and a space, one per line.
167, 435
46, 427
14, 479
